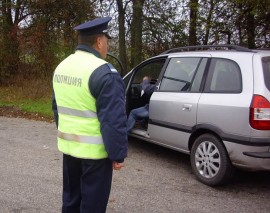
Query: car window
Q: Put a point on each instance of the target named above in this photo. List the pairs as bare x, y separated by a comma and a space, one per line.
179, 74
151, 69
224, 77
266, 71
196, 84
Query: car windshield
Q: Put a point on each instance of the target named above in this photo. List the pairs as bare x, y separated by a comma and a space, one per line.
266, 71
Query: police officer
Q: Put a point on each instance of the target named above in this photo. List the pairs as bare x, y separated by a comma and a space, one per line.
89, 109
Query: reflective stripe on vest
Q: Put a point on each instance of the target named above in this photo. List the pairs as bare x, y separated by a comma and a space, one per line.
80, 138
75, 112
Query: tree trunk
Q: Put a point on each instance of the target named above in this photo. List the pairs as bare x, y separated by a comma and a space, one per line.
122, 33
193, 6
251, 27
9, 43
208, 22
136, 32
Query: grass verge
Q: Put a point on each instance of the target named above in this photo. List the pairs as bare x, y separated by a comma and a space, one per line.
42, 107
30, 97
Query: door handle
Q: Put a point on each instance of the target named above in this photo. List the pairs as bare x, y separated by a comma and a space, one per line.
187, 107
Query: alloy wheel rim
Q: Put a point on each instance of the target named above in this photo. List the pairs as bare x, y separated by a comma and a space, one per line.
207, 159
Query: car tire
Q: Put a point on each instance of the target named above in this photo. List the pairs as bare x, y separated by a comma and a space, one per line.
210, 162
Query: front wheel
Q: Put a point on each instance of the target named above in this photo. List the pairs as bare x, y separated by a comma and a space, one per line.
209, 161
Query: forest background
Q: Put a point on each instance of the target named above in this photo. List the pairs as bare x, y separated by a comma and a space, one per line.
35, 36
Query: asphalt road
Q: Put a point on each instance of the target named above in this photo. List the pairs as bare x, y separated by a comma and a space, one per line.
155, 179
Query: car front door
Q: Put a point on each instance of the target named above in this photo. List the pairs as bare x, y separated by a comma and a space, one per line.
173, 107
151, 68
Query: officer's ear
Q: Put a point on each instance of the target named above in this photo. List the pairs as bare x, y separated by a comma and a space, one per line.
99, 42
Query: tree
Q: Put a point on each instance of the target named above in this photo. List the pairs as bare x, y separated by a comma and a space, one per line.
193, 5
36, 35
246, 22
51, 36
164, 27
209, 22
122, 33
12, 13
136, 32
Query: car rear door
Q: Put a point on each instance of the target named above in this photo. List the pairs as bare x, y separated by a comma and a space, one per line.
173, 107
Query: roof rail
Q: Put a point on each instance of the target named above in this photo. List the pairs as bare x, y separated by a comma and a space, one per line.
265, 48
208, 47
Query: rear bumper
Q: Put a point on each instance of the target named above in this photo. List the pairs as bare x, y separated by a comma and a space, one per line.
257, 154
252, 158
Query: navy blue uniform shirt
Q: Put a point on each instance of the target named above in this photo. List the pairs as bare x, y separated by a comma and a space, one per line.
107, 86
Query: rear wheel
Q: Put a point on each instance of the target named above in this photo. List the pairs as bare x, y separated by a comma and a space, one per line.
210, 162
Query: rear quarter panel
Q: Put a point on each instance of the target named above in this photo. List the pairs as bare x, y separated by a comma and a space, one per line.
230, 112
260, 89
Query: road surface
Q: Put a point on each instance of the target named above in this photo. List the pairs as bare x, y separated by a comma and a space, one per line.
155, 179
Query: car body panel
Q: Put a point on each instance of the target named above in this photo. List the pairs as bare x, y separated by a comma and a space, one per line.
173, 112
235, 152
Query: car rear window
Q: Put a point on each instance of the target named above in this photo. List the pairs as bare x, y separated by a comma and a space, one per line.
266, 71
224, 77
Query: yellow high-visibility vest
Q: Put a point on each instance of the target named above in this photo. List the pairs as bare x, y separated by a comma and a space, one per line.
78, 126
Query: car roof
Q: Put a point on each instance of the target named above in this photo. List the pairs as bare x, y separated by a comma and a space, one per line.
213, 49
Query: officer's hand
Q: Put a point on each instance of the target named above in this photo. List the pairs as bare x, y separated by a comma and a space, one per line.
118, 166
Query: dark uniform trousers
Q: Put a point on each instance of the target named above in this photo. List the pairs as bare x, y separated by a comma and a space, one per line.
86, 185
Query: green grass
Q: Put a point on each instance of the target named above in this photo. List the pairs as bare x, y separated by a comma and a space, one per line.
42, 107
27, 98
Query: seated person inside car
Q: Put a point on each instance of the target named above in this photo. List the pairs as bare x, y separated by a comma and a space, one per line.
141, 112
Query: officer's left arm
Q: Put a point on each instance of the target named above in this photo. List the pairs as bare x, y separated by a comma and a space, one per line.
54, 109
107, 87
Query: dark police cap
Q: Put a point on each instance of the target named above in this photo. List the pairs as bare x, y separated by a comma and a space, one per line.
94, 27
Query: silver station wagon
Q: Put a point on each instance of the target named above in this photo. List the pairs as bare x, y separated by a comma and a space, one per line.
211, 102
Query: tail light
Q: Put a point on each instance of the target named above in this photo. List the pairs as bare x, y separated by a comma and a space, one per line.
260, 113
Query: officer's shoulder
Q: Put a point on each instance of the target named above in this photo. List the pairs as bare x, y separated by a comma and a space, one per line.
111, 67
103, 70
